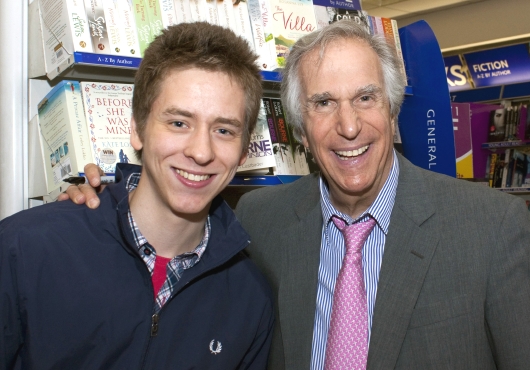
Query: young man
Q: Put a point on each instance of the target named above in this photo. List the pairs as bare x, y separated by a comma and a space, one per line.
154, 278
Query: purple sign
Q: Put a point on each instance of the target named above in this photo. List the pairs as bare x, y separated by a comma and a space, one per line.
456, 78
500, 66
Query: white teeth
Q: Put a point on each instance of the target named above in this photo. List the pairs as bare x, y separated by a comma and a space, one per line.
192, 177
344, 155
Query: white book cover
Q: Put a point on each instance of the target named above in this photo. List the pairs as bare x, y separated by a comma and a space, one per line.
167, 12
108, 110
397, 41
98, 26
291, 19
117, 42
65, 30
64, 139
260, 155
258, 32
244, 29
226, 15
204, 11
128, 21
182, 11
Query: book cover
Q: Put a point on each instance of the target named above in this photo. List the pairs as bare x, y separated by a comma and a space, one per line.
497, 125
244, 28
63, 133
65, 30
167, 11
115, 28
291, 19
98, 26
226, 16
329, 11
129, 30
154, 17
108, 110
282, 133
204, 11
143, 29
280, 164
182, 11
260, 155
263, 38
463, 145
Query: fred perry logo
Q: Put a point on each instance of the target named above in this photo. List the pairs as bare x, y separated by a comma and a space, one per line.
217, 349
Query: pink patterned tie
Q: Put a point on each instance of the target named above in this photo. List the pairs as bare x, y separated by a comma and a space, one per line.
347, 346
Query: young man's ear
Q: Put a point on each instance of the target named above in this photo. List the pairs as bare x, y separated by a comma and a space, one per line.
136, 142
244, 156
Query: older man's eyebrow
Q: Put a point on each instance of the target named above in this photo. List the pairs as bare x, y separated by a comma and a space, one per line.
369, 89
319, 97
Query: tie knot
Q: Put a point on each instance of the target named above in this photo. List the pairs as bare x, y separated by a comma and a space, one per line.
354, 235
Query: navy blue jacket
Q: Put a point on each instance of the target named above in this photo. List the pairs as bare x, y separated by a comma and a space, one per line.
74, 294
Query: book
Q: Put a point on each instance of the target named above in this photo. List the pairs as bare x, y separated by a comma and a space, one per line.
261, 30
507, 168
108, 110
519, 169
182, 11
260, 155
98, 26
65, 30
492, 163
244, 28
291, 19
280, 164
129, 29
63, 134
284, 147
168, 13
154, 17
497, 125
226, 16
143, 28
204, 11
329, 11
115, 28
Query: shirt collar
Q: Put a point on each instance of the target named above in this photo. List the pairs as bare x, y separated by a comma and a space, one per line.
131, 184
380, 209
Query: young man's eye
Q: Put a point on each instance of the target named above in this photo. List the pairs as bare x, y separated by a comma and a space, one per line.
177, 123
224, 131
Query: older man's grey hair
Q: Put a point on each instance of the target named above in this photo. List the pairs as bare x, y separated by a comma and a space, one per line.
291, 87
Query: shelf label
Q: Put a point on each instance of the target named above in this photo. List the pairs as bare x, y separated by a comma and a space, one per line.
107, 60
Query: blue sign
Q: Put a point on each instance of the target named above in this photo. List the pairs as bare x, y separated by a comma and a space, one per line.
500, 66
343, 4
456, 78
107, 60
425, 121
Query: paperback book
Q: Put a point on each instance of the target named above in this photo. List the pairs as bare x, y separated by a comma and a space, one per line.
63, 135
97, 22
108, 110
260, 156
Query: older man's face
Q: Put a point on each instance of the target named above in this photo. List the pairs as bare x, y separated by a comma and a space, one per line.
347, 122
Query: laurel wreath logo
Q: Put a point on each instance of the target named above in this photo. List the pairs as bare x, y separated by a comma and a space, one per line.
217, 349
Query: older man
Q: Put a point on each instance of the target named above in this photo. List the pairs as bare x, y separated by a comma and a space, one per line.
376, 263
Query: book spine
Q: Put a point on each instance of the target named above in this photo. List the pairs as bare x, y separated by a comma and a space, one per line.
129, 27
280, 167
397, 43
154, 17
195, 10
283, 136
117, 43
167, 12
507, 171
261, 46
79, 26
268, 31
492, 166
182, 11
143, 29
226, 15
244, 28
98, 26
81, 146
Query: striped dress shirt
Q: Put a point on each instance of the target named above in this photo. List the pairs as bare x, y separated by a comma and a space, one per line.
332, 253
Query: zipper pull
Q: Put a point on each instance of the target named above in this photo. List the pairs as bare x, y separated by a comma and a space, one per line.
154, 325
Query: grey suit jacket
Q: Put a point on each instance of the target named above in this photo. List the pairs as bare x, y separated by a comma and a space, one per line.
454, 286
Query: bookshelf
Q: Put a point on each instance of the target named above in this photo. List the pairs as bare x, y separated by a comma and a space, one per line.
88, 66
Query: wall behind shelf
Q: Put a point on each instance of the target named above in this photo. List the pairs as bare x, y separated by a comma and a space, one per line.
481, 22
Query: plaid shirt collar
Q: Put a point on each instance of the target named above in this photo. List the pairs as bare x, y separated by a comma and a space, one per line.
177, 265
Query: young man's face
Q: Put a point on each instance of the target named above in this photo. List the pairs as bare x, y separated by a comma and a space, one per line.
347, 122
193, 140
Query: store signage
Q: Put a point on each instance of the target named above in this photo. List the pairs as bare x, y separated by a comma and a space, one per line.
500, 66
456, 78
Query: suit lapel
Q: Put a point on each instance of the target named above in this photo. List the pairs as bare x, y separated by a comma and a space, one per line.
409, 248
301, 256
